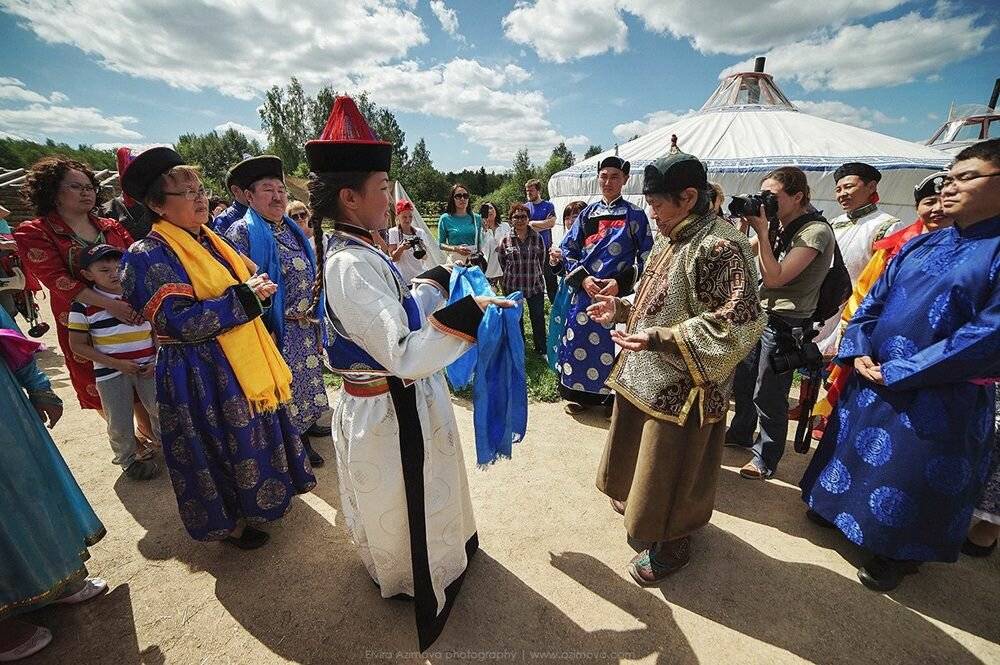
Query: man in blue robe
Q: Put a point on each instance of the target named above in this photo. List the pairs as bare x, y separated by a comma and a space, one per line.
907, 449
603, 253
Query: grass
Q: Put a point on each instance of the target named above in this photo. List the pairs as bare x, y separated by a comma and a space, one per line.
543, 384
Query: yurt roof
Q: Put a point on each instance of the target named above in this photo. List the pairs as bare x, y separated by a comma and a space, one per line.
748, 127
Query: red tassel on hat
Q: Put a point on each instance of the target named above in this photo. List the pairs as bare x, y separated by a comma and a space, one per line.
124, 157
347, 124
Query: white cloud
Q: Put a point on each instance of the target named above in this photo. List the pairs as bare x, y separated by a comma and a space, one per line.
562, 30
40, 121
135, 147
737, 26
446, 16
490, 109
347, 44
14, 90
319, 41
251, 133
860, 116
885, 54
652, 121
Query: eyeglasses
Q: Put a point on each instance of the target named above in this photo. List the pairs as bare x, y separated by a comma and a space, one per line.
299, 215
190, 194
519, 216
78, 188
967, 176
461, 195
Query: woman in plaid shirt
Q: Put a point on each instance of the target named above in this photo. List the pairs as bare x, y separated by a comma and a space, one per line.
522, 258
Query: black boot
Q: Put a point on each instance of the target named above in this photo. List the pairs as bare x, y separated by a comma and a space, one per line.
884, 574
314, 457
318, 430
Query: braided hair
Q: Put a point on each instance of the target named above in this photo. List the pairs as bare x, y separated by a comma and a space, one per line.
324, 199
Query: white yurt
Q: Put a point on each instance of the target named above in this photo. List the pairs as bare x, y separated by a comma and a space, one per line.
747, 128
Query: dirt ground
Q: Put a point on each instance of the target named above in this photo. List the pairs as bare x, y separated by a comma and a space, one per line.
549, 583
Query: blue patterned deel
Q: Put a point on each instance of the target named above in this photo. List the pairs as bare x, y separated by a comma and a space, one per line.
226, 462
892, 506
874, 446
835, 478
850, 528
915, 448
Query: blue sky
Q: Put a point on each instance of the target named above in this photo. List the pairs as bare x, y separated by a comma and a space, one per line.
479, 79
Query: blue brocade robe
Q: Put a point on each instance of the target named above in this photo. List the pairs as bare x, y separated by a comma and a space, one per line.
225, 462
301, 343
901, 466
608, 241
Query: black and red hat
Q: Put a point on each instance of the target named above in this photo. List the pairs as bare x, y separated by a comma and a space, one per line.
347, 143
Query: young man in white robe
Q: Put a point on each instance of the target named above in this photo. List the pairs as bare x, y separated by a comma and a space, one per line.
860, 226
403, 482
857, 230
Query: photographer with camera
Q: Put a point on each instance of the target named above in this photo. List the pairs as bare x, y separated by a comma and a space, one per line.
408, 244
795, 249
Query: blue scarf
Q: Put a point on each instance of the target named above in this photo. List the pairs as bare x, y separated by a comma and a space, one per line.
264, 252
465, 282
500, 393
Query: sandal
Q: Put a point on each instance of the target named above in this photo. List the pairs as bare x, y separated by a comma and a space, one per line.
145, 449
755, 470
92, 587
572, 408
619, 506
37, 641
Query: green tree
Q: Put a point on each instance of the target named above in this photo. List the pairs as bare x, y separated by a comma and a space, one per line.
422, 181
283, 118
562, 156
21, 153
593, 150
215, 153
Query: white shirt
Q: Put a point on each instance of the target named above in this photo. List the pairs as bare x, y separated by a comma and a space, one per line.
855, 239
409, 265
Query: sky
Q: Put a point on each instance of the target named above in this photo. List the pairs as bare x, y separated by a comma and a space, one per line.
481, 79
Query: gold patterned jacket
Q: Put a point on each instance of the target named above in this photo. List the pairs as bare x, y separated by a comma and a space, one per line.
698, 301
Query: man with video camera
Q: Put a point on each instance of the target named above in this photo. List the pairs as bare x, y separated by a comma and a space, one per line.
795, 249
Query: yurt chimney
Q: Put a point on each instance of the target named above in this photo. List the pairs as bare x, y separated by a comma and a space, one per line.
753, 83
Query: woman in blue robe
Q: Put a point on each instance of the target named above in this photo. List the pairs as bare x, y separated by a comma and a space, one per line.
609, 242
232, 465
47, 522
905, 456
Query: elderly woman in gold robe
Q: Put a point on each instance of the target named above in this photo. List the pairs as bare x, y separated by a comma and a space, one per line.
696, 316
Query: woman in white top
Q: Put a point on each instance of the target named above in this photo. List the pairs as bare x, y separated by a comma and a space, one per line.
408, 244
494, 230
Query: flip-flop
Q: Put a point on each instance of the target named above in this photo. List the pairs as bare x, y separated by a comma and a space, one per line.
92, 587
38, 641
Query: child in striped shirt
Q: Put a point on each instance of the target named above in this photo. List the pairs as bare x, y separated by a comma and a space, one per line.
123, 356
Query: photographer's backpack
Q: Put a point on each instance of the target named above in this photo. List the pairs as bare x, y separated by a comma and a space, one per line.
836, 287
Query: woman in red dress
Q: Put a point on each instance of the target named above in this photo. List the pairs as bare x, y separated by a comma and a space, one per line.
64, 193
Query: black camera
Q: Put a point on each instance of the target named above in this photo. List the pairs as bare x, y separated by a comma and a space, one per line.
796, 350
749, 205
417, 245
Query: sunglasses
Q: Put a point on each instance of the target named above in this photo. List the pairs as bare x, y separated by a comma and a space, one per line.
520, 216
461, 195
299, 215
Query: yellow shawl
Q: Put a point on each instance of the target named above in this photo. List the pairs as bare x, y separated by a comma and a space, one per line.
259, 368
